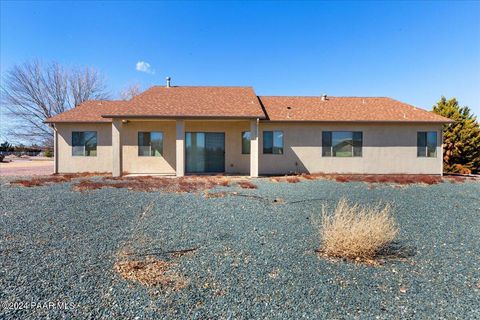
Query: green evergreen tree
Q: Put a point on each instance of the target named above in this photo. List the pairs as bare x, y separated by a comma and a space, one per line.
461, 139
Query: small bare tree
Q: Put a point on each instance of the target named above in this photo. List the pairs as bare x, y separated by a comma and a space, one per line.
87, 84
130, 92
32, 92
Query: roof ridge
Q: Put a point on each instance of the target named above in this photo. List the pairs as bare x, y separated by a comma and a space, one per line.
359, 97
162, 86
101, 100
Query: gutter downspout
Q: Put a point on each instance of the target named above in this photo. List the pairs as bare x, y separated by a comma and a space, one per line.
254, 158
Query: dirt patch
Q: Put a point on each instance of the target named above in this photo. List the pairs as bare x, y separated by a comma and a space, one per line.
146, 268
24, 167
151, 272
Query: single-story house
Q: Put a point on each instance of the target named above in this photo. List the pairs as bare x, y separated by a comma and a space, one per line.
178, 130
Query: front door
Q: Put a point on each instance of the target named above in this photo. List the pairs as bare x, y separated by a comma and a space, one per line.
205, 152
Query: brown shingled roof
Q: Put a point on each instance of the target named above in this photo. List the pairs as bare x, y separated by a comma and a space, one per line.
241, 102
208, 102
89, 111
348, 109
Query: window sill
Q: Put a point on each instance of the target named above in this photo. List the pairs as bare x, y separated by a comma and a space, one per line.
357, 157
150, 156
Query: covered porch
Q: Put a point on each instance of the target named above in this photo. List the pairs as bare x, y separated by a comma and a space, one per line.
184, 146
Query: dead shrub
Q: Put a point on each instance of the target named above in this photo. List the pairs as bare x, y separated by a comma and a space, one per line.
381, 178
430, 179
289, 179
293, 179
39, 181
149, 183
54, 178
402, 179
151, 272
244, 184
308, 176
223, 183
83, 174
356, 232
85, 185
190, 186
341, 179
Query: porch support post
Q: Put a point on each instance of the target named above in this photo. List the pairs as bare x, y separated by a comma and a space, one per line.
116, 148
441, 151
254, 148
180, 148
55, 150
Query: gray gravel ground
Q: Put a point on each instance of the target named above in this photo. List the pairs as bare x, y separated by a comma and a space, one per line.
255, 257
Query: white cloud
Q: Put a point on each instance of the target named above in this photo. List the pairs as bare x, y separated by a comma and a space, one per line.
143, 66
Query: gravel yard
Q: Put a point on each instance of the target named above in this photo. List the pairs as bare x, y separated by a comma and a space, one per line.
253, 253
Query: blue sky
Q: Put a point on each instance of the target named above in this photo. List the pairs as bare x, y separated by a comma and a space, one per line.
411, 51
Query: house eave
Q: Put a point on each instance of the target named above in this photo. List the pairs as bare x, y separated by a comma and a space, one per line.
77, 121
127, 116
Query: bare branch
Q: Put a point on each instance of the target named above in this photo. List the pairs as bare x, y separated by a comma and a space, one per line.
87, 84
32, 92
130, 91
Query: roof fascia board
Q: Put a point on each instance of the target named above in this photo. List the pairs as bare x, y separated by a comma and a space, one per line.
358, 121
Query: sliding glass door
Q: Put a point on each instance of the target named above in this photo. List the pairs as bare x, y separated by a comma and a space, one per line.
205, 152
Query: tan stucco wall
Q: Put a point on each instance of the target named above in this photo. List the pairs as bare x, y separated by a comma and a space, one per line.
235, 161
102, 162
387, 148
132, 163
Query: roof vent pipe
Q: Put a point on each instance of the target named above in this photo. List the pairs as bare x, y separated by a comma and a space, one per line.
168, 82
324, 97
